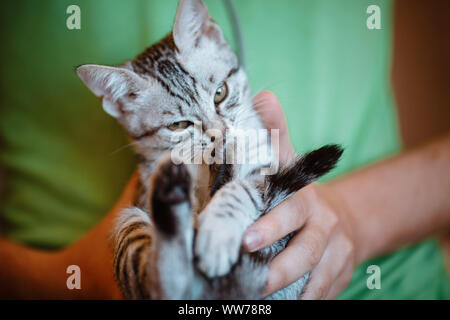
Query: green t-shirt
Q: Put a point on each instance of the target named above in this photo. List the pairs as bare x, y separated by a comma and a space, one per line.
66, 161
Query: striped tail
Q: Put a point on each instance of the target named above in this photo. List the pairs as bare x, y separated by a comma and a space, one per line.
299, 173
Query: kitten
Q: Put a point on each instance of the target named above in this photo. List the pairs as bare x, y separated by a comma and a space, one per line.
182, 239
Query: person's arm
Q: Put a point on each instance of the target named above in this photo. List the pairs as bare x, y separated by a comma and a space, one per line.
27, 273
367, 213
398, 201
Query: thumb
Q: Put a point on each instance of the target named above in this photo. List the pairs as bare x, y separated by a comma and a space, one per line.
269, 109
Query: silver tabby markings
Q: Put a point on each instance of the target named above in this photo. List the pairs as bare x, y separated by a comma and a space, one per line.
182, 239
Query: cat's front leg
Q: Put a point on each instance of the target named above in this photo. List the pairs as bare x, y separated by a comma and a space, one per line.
153, 253
222, 225
174, 231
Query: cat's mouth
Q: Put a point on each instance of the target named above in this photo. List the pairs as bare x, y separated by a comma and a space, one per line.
220, 174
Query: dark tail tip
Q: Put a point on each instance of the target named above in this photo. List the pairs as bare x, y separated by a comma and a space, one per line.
300, 172
318, 162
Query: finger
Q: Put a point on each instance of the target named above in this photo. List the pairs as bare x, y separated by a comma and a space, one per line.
285, 218
324, 275
269, 108
301, 255
341, 283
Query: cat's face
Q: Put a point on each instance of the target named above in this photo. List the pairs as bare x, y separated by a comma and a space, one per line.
181, 91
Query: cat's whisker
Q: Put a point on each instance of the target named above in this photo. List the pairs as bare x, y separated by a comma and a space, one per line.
269, 86
122, 148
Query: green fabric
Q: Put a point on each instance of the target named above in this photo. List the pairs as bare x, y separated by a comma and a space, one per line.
64, 158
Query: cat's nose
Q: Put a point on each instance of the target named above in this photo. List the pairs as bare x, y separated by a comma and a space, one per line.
215, 136
217, 125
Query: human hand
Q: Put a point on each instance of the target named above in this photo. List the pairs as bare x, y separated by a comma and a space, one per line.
324, 245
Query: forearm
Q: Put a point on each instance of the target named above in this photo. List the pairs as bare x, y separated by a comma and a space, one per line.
29, 273
398, 201
20, 269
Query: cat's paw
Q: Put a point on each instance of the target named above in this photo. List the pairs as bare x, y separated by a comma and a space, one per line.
171, 188
217, 244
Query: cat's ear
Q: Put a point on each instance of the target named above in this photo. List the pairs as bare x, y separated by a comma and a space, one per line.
193, 25
110, 84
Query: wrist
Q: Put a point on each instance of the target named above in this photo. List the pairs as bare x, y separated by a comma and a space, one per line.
351, 222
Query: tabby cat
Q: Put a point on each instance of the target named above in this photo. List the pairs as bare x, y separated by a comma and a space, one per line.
182, 239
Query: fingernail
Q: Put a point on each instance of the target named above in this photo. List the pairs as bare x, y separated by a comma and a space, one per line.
252, 240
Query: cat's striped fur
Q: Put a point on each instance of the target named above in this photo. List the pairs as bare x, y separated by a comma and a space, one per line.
182, 240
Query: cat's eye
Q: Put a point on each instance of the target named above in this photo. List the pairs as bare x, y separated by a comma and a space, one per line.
221, 93
180, 125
